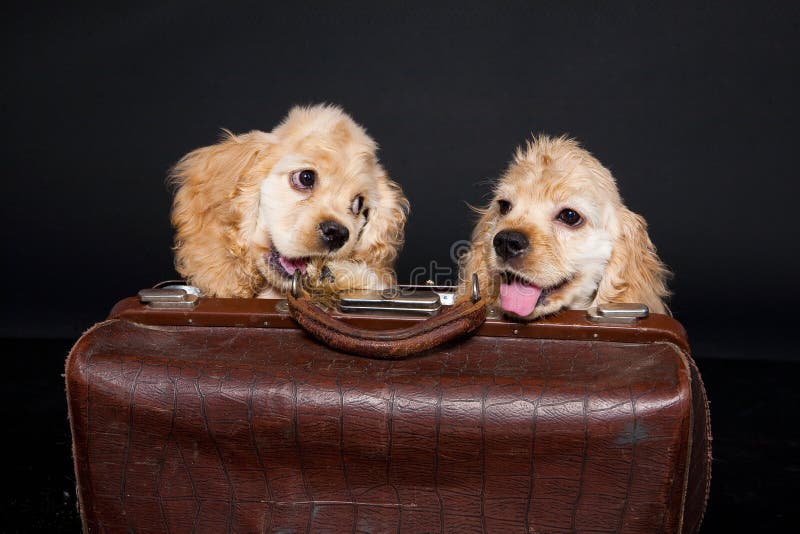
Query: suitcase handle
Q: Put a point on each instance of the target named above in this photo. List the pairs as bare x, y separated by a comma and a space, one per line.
461, 319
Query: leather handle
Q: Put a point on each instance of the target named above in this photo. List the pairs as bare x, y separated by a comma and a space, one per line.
459, 320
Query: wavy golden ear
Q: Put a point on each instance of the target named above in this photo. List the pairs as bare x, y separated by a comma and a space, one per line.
634, 272
382, 238
214, 215
474, 260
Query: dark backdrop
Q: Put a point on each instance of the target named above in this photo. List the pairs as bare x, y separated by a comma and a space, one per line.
692, 107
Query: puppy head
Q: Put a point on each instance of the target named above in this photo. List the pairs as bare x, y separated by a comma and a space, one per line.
255, 208
557, 235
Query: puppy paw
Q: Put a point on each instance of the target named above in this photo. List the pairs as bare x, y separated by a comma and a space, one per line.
337, 276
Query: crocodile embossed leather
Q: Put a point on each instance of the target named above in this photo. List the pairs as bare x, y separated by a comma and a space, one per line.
230, 418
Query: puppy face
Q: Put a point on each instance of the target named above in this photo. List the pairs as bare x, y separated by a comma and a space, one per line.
556, 235
320, 188
311, 189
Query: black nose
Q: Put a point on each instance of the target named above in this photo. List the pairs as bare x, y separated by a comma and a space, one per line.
334, 235
510, 243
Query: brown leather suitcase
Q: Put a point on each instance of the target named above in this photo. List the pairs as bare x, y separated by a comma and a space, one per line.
224, 415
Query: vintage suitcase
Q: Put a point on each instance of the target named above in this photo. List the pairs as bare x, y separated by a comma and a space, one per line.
224, 415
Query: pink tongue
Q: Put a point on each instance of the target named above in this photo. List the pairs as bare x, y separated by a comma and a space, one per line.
519, 298
292, 265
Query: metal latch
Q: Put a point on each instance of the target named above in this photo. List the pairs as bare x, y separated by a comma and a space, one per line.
622, 313
397, 300
170, 297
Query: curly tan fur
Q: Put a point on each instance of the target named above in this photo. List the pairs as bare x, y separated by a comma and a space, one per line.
607, 258
235, 206
634, 272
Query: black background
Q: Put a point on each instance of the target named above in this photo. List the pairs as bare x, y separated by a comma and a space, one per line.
692, 106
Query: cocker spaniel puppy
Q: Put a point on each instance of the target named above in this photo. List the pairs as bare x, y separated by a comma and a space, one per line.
310, 195
557, 235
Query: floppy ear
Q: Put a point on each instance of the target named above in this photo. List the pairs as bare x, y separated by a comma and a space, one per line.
214, 214
474, 260
634, 272
382, 237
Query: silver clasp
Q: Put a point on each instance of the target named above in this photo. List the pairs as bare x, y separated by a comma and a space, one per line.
169, 297
392, 301
621, 313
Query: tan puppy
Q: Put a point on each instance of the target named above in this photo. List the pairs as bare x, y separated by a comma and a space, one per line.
556, 235
253, 209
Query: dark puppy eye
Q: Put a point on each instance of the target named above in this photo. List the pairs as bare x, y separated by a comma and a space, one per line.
504, 205
304, 179
570, 217
358, 203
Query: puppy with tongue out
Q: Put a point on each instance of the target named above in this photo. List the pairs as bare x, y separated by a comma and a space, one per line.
518, 297
556, 235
